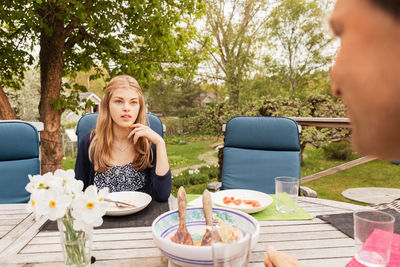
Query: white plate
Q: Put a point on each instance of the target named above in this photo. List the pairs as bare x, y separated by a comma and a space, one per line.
264, 199
139, 199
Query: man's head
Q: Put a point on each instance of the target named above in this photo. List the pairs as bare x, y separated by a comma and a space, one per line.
390, 6
366, 74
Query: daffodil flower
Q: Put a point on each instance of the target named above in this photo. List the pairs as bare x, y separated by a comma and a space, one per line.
89, 208
53, 205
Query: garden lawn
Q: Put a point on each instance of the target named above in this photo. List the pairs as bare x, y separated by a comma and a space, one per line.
377, 173
183, 151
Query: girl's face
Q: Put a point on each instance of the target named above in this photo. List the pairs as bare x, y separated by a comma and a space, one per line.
124, 107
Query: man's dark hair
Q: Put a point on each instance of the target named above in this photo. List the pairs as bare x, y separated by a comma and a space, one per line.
390, 6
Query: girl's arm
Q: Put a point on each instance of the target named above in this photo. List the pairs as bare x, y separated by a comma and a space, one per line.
158, 186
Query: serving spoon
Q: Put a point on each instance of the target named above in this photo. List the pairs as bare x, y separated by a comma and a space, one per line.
207, 208
182, 235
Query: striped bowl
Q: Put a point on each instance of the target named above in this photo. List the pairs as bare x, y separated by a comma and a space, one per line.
165, 226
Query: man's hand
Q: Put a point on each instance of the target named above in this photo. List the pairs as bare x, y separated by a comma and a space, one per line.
279, 259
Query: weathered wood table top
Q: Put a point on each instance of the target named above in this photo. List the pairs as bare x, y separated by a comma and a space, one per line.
313, 242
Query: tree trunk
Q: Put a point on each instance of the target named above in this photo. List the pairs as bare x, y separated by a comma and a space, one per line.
51, 70
6, 111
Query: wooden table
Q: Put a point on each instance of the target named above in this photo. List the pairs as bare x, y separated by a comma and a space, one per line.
313, 242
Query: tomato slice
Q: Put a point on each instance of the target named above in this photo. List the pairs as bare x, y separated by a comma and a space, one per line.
237, 201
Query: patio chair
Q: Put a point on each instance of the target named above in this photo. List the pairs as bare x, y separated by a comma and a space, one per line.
88, 122
258, 149
19, 156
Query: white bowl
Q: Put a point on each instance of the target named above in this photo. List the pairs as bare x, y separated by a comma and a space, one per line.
165, 226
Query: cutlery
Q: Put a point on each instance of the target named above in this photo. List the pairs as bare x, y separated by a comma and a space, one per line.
120, 204
182, 235
207, 208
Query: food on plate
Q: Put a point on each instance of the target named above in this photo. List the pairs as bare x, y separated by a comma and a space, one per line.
237, 201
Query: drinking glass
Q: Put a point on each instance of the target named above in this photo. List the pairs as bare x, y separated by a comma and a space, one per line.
373, 234
286, 193
232, 254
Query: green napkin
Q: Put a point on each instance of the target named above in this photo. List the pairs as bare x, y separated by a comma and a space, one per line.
270, 213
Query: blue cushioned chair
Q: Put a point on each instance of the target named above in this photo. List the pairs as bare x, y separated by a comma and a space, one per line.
88, 123
19, 156
258, 149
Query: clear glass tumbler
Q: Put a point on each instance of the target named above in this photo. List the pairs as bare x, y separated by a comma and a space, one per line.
286, 193
230, 253
373, 235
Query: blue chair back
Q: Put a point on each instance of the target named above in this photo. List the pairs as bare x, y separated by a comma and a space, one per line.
258, 149
88, 122
19, 156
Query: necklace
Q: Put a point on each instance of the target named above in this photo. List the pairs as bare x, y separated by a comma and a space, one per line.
122, 149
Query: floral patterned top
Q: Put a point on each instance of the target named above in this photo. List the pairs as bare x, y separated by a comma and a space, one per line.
120, 178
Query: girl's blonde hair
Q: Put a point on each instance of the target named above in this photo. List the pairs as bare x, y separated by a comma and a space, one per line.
102, 136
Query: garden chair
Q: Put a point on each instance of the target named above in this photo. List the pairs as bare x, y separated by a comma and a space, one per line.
88, 122
258, 149
19, 156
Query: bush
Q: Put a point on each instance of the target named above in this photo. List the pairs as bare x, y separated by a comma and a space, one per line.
197, 176
338, 150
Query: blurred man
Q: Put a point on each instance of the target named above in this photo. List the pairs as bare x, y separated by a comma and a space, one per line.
366, 76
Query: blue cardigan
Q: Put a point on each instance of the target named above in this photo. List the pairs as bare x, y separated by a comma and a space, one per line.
159, 187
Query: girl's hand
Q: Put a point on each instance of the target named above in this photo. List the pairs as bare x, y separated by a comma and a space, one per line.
140, 130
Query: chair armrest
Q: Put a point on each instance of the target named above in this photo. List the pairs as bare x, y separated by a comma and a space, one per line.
214, 186
307, 192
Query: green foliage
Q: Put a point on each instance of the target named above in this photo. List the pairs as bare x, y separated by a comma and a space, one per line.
140, 38
210, 121
174, 96
302, 48
235, 29
195, 176
25, 101
338, 150
175, 126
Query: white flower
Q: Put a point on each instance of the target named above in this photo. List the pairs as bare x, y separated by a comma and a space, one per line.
88, 207
70, 185
52, 204
196, 171
39, 182
103, 193
190, 171
34, 203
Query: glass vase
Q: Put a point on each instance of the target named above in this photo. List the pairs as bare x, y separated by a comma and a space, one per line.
76, 245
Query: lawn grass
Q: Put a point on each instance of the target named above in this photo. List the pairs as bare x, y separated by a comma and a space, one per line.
184, 150
68, 163
377, 173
